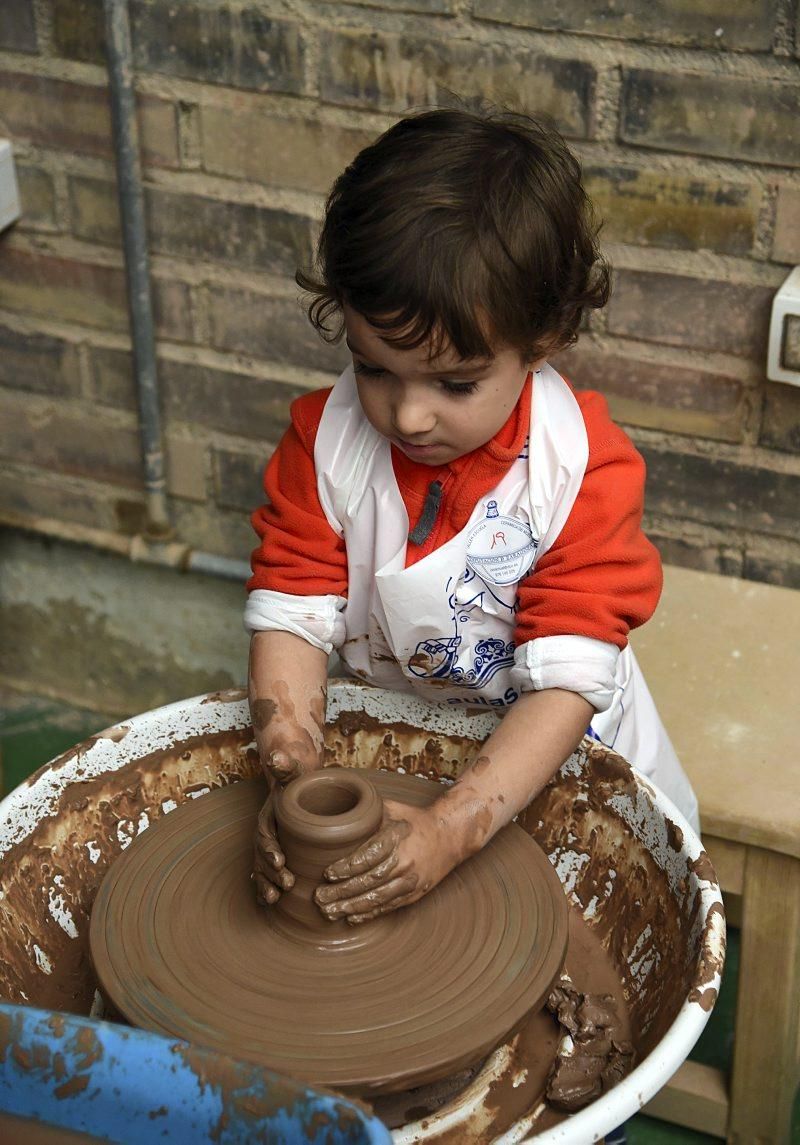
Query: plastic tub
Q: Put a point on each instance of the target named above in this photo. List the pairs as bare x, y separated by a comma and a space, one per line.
625, 855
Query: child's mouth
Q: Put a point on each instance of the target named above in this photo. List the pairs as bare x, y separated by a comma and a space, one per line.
420, 450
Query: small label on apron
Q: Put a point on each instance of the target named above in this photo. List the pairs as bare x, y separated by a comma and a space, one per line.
500, 549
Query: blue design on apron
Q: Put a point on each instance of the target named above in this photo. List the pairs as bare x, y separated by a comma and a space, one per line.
500, 547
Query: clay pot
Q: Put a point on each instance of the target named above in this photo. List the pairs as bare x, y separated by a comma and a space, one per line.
320, 818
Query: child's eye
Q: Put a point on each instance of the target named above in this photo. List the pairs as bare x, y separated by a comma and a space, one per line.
460, 389
367, 371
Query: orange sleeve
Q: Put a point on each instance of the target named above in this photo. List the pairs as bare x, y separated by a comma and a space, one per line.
602, 577
299, 553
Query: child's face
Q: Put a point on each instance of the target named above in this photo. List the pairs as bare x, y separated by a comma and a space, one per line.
433, 411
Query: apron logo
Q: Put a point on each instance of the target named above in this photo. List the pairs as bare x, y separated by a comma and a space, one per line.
436, 660
500, 549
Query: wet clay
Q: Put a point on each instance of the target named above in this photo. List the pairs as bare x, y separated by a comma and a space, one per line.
530, 1087
180, 946
24, 1129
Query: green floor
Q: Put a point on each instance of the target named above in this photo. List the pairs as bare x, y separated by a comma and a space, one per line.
34, 730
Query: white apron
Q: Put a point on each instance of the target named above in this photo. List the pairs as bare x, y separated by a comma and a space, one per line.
443, 628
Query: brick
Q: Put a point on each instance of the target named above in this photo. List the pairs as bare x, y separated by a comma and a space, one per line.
780, 421
194, 394
395, 73
661, 208
721, 492
18, 26
38, 362
78, 29
194, 226
68, 441
214, 530
252, 143
773, 568
111, 380
683, 311
653, 395
37, 195
185, 464
91, 295
238, 478
786, 240
749, 119
94, 210
695, 552
35, 494
428, 7
214, 44
746, 26
272, 328
224, 401
209, 43
76, 117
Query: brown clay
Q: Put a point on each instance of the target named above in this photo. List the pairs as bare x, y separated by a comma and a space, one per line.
24, 1129
320, 818
181, 946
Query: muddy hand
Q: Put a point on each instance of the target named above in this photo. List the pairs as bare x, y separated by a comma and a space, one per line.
283, 767
270, 873
402, 861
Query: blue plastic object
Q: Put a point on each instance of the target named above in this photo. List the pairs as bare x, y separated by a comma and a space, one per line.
131, 1086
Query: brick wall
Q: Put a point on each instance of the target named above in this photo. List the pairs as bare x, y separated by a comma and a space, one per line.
687, 120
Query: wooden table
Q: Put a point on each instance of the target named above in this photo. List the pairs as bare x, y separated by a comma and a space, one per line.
722, 659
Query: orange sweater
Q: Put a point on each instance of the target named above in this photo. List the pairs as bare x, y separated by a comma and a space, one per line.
601, 578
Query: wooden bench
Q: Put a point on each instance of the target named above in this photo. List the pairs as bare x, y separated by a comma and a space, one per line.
722, 659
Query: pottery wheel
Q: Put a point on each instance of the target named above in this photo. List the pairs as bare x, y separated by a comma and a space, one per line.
180, 946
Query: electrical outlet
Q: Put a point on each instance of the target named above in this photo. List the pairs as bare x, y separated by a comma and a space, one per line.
9, 191
785, 305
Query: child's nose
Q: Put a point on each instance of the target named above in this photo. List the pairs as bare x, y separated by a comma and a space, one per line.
413, 417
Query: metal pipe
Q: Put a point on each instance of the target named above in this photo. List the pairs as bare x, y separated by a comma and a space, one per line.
173, 554
137, 266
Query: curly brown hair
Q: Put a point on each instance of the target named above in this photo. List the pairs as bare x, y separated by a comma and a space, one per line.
460, 228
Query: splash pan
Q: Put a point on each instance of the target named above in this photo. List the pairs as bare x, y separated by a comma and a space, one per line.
625, 857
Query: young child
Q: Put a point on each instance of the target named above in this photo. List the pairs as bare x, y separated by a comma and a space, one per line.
451, 517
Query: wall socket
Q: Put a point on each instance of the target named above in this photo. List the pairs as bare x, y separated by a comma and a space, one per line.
9, 191
785, 305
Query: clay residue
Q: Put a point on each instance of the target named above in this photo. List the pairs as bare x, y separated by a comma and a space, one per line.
703, 868
72, 1088
646, 922
704, 998
69, 851
595, 1056
228, 696
712, 957
358, 739
115, 734
13, 1128
262, 713
674, 835
246, 1099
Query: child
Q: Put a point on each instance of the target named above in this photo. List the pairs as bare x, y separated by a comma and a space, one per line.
451, 517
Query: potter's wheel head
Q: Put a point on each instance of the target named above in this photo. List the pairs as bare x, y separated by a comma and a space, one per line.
180, 946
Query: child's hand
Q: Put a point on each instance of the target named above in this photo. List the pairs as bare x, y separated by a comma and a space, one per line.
284, 766
402, 861
270, 872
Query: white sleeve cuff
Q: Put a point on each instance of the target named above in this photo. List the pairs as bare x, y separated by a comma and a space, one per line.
317, 619
574, 663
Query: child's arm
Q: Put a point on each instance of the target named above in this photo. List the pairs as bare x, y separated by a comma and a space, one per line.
287, 690
415, 848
